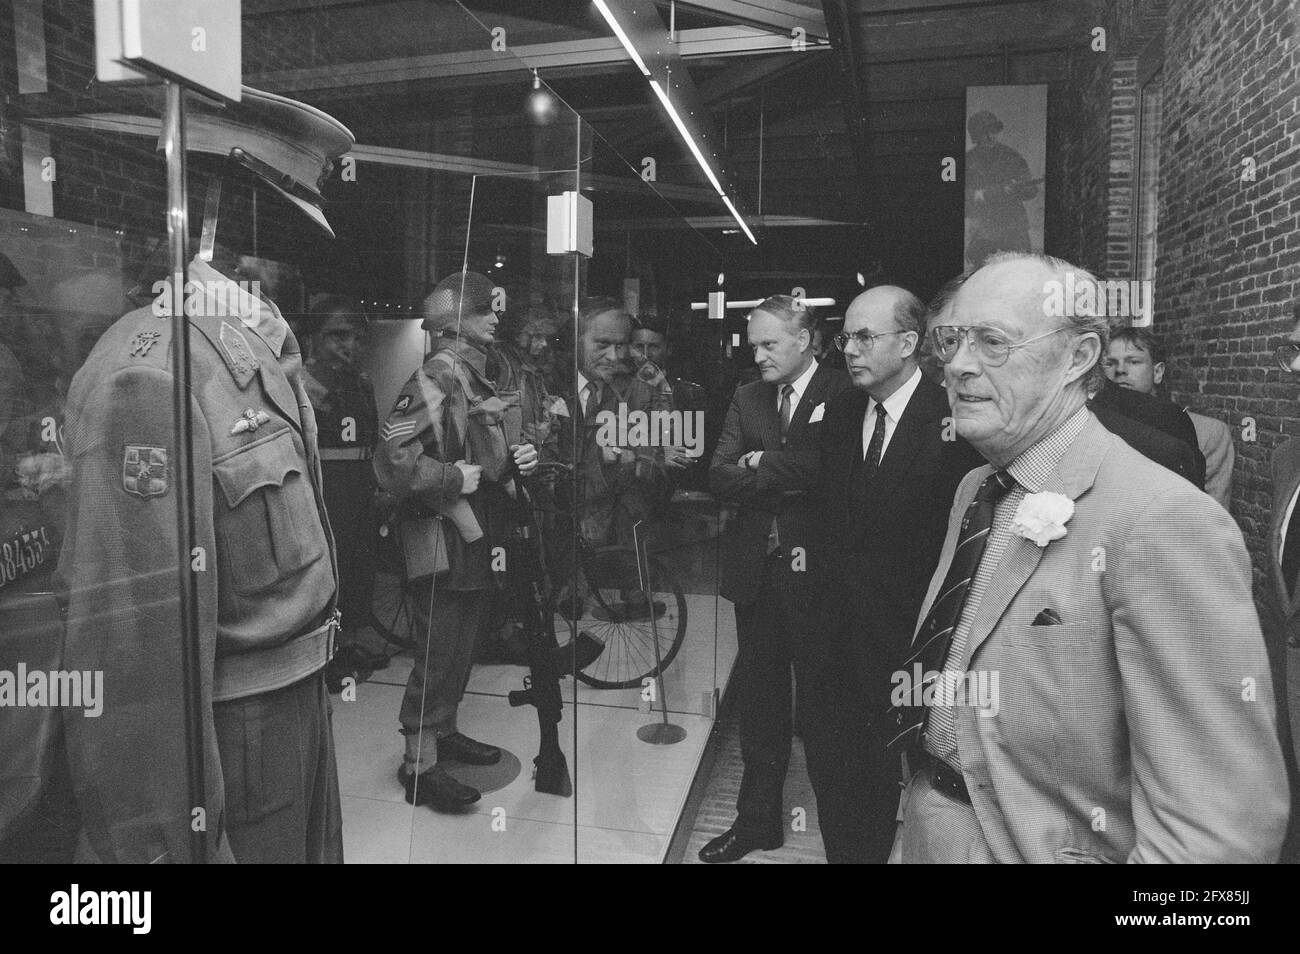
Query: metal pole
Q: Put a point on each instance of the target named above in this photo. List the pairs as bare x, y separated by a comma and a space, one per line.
183, 462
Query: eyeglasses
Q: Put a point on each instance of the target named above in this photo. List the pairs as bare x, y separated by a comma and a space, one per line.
864, 341
1286, 355
992, 345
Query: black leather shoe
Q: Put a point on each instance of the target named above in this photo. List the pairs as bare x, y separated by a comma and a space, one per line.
437, 789
735, 844
461, 748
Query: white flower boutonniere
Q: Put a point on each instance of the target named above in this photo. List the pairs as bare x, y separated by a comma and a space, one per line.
1042, 517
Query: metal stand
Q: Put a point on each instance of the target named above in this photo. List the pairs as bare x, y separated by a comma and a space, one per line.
183, 459
664, 732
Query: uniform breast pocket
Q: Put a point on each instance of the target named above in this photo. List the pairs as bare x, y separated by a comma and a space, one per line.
267, 523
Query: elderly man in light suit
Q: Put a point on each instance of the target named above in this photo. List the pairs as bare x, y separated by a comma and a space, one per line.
1096, 687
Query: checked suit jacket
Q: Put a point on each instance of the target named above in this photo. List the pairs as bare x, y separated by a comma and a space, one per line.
1142, 727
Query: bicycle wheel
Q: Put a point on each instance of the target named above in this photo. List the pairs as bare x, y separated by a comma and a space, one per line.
617, 614
392, 605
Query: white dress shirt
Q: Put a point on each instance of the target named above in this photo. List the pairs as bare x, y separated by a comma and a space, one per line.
894, 406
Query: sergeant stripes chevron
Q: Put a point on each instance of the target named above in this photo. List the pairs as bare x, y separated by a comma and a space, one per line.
391, 431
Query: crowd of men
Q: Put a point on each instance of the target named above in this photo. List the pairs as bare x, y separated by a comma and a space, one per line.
1016, 609
1021, 630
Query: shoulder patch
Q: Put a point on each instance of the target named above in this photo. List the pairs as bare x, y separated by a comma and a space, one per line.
402, 404
144, 470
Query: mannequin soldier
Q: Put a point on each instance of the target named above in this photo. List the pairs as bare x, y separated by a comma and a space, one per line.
343, 398
446, 450
264, 561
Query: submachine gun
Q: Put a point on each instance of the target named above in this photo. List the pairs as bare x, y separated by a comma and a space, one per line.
547, 662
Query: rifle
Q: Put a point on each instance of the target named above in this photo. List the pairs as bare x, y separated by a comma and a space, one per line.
547, 662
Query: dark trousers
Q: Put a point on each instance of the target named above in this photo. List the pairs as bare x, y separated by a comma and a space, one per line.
446, 627
855, 783
349, 489
282, 784
772, 635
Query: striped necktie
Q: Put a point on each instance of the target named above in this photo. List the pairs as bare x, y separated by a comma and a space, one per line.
934, 640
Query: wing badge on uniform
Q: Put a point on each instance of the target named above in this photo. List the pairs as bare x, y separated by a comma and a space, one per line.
144, 470
250, 420
391, 431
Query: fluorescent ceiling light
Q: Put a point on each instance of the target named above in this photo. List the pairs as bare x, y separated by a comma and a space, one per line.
622, 37
699, 157
736, 215
685, 134
751, 303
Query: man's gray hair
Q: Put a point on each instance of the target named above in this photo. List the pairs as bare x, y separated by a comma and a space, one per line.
791, 311
1079, 324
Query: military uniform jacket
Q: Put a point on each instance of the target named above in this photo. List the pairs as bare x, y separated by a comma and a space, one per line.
264, 559
426, 432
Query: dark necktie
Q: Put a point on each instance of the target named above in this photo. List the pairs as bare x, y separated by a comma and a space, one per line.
774, 535
934, 638
786, 391
872, 461
1291, 552
593, 402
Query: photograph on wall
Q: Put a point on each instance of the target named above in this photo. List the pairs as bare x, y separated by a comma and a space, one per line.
1006, 152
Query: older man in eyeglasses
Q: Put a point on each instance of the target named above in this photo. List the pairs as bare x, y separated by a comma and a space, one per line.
1088, 682
890, 464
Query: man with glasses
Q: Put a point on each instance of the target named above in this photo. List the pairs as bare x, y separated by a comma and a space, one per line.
1092, 681
766, 463
890, 464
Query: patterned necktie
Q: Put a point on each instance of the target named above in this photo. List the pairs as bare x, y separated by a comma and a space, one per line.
871, 463
934, 638
786, 391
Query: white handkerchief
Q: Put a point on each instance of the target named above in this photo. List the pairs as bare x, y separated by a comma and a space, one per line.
818, 412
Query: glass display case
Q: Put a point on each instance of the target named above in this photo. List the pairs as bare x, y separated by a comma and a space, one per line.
477, 285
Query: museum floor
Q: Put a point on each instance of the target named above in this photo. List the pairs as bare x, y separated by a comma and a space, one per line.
628, 795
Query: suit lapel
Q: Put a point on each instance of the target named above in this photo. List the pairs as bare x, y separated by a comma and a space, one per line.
1289, 480
1074, 476
813, 395
768, 417
903, 445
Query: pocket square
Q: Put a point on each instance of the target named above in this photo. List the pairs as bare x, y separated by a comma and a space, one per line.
1047, 617
818, 413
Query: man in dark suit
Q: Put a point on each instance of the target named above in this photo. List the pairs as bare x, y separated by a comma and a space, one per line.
1119, 408
766, 462
890, 465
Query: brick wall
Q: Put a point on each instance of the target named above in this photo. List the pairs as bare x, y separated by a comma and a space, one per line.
1229, 250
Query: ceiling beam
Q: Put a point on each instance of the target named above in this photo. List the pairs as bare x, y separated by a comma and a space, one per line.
597, 52
780, 15
855, 95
